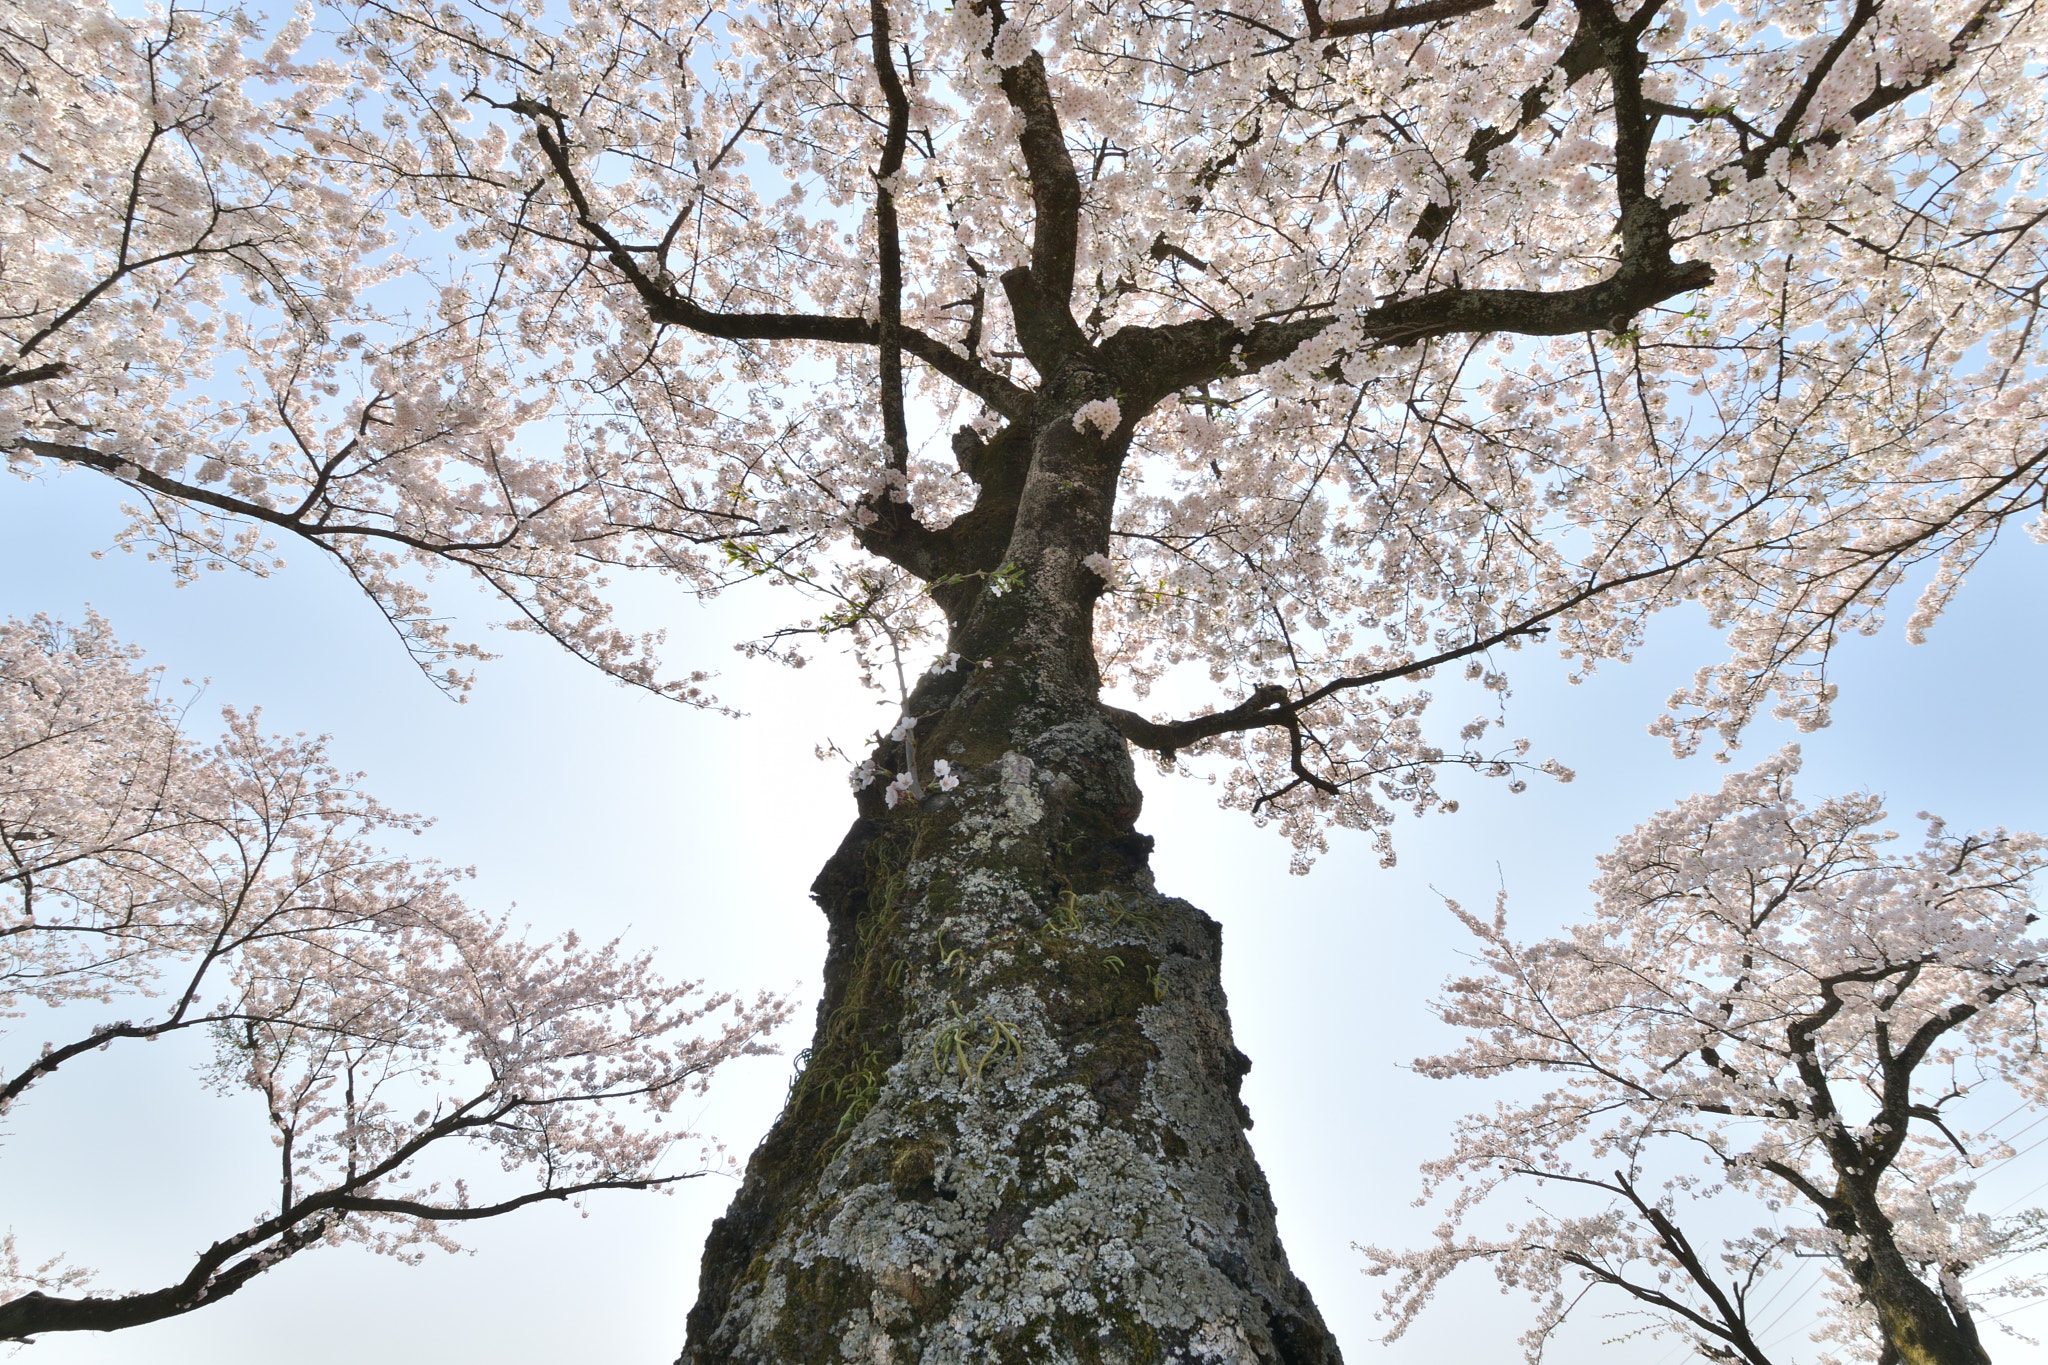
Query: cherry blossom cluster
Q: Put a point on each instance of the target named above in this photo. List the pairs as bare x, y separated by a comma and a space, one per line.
905, 786
237, 892
202, 300
1822, 1019
671, 277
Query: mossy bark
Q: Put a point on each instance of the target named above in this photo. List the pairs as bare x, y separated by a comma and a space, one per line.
1017, 1135
1920, 1325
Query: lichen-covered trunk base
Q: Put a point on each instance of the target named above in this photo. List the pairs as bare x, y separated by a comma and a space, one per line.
1017, 1136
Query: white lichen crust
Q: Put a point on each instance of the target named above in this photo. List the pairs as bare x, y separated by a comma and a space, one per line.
1018, 1136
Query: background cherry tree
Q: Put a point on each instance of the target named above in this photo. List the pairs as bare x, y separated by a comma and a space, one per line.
1824, 1024
237, 891
205, 305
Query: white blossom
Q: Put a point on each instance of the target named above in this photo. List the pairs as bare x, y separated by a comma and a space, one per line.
239, 892
1012, 45
1758, 976
1102, 416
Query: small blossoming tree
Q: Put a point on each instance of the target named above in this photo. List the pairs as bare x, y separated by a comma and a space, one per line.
152, 887
1770, 1006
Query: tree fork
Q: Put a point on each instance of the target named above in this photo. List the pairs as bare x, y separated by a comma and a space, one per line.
1017, 1135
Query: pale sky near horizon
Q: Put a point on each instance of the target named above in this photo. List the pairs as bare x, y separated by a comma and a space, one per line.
613, 812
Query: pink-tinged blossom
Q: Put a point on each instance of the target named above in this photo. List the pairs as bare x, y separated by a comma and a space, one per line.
1101, 416
1836, 1026
240, 892
943, 776
1368, 476
1012, 45
899, 788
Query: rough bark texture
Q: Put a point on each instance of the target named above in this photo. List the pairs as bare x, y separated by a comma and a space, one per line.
1920, 1326
1017, 1136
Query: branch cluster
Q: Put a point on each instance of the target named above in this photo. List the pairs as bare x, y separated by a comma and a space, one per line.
236, 893
1767, 989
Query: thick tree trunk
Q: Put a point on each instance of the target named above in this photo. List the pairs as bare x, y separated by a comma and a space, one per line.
1017, 1136
1920, 1326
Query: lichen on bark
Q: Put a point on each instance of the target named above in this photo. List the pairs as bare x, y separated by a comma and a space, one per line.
1017, 1136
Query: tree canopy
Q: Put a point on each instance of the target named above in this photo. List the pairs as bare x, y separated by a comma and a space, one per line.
1420, 332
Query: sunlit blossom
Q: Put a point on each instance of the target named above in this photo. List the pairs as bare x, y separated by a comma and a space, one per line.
378, 1020
1757, 976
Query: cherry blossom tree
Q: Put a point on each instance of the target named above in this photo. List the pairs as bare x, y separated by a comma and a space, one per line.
1769, 991
1283, 355
236, 893
205, 307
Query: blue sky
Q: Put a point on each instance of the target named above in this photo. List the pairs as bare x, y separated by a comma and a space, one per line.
614, 812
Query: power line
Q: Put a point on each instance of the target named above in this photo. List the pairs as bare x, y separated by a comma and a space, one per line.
2022, 1199
1997, 1317
1786, 1309
1997, 1165
1779, 1291
2006, 1115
